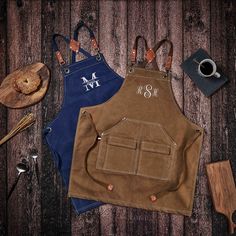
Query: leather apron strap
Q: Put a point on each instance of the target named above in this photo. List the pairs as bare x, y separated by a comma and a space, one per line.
93, 40
151, 54
133, 55
73, 44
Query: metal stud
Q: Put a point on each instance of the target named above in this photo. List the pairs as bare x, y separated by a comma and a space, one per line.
110, 187
153, 198
67, 70
98, 57
49, 129
131, 69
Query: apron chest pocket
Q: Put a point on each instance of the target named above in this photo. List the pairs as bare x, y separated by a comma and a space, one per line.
121, 151
154, 160
118, 155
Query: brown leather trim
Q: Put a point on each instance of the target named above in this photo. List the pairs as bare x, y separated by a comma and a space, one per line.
74, 45
94, 43
60, 58
150, 55
168, 63
133, 55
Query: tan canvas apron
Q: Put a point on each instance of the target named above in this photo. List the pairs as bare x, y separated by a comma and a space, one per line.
138, 149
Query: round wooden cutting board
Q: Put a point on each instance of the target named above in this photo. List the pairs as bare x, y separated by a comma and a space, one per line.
14, 99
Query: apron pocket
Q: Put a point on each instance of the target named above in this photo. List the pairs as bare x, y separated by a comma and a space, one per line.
154, 160
137, 148
117, 155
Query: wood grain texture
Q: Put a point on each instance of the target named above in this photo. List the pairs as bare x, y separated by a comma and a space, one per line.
3, 121
25, 37
198, 109
20, 22
55, 205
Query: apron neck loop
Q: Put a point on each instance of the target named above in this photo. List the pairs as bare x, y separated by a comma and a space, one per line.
151, 54
93, 40
148, 53
56, 48
133, 55
73, 44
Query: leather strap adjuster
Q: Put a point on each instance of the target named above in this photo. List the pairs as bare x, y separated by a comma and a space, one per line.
60, 58
150, 55
133, 55
74, 45
168, 63
94, 43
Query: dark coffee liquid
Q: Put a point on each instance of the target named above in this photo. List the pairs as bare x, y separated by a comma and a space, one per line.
206, 68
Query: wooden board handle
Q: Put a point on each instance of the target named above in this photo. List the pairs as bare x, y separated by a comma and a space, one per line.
232, 225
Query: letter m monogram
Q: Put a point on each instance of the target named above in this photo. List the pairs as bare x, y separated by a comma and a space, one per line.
92, 83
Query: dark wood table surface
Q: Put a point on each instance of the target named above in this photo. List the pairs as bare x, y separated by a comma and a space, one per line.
25, 37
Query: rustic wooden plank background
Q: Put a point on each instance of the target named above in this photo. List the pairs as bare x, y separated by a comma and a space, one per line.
25, 37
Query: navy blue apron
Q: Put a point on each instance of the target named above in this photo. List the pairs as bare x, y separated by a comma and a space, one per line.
86, 83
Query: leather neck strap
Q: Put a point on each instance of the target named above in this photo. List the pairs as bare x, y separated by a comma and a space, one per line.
151, 54
74, 46
133, 55
80, 25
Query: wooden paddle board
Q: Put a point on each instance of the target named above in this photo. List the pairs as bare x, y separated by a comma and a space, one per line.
223, 190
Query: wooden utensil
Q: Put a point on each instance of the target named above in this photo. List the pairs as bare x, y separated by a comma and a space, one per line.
223, 190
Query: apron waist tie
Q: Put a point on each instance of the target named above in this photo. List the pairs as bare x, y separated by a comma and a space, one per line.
94, 139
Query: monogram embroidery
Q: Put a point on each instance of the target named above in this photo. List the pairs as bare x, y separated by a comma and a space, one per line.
92, 83
147, 91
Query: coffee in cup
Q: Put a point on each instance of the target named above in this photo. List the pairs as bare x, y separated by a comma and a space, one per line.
207, 68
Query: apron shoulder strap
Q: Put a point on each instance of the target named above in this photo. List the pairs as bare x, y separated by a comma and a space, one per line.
73, 44
133, 55
151, 54
93, 40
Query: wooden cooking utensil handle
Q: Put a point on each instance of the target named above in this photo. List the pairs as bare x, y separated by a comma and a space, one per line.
232, 225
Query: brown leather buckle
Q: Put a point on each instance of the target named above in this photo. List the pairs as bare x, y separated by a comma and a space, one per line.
168, 63
74, 45
59, 58
94, 43
133, 55
150, 55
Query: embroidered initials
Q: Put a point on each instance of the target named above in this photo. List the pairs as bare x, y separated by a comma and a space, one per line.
147, 91
92, 83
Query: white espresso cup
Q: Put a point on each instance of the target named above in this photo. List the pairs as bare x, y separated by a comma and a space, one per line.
207, 68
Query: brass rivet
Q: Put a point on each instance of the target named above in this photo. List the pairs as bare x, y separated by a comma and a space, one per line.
153, 198
110, 187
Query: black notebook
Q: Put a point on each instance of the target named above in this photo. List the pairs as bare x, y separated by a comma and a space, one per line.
207, 85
